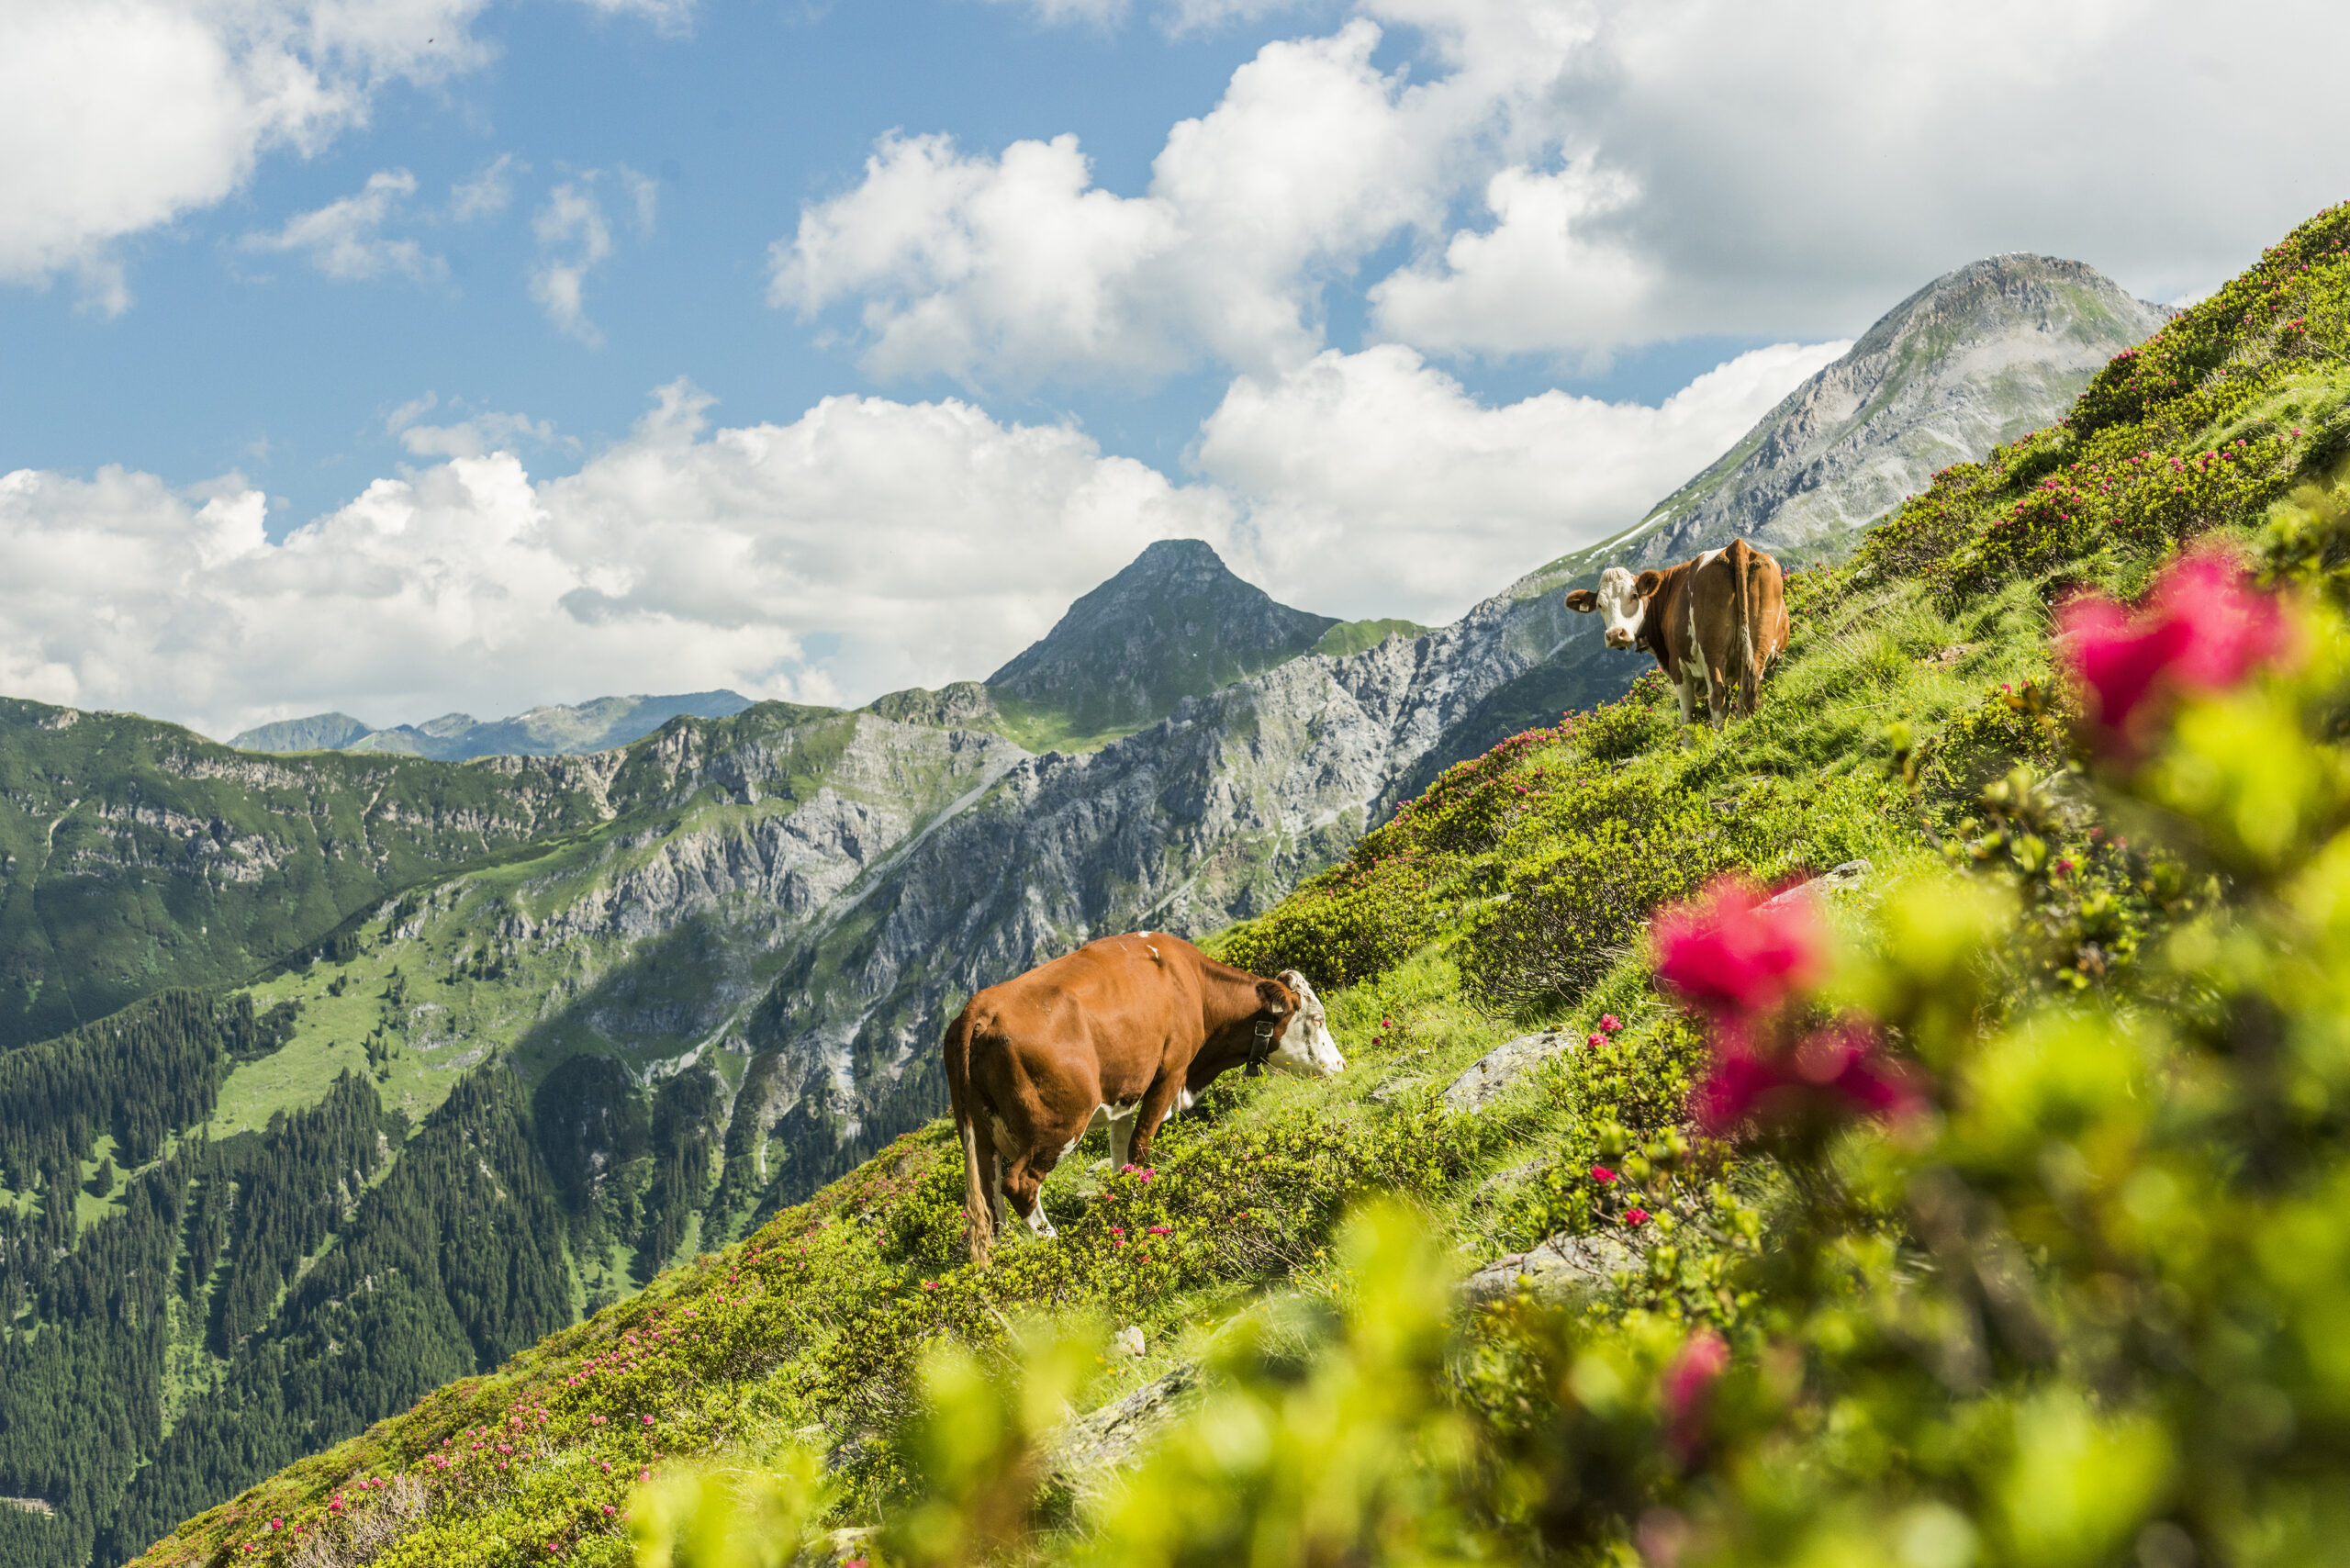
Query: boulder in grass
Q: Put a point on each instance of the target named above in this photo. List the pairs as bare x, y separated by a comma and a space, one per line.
1492, 1073
1563, 1266
1837, 879
1092, 1447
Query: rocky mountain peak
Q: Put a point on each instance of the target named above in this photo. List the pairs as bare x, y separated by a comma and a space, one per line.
1977, 357
1176, 622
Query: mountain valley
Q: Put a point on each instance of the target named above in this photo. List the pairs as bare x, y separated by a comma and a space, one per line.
458, 1032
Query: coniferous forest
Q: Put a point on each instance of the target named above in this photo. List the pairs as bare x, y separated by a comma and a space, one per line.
192, 1336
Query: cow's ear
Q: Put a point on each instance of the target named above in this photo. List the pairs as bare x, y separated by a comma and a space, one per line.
1648, 582
1583, 601
1276, 999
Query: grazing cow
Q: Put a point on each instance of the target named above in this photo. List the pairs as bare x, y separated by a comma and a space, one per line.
1119, 1033
1715, 623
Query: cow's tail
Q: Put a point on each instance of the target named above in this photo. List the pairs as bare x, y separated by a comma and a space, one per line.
1749, 675
978, 1204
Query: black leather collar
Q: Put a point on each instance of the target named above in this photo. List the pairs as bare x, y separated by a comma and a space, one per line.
1259, 1048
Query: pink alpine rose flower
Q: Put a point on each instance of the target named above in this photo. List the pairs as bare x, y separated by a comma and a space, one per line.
2204, 628
1734, 954
1836, 1073
1695, 1369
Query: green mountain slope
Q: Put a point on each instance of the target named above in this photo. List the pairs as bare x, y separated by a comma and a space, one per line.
138, 856
1508, 896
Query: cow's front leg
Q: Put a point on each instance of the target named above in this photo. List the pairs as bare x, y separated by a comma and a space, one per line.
1157, 1103
1122, 1138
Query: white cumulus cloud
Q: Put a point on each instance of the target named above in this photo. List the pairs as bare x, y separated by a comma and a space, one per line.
1014, 267
118, 116
1628, 172
345, 239
867, 545
1798, 165
1376, 485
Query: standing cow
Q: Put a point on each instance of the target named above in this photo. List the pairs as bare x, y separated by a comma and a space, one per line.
1714, 622
1119, 1034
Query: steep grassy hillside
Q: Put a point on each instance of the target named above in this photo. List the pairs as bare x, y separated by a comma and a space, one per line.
1511, 895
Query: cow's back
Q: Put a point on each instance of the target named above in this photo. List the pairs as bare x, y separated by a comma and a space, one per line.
1738, 618
1100, 1019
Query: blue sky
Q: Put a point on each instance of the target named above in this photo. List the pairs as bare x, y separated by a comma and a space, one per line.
227, 358
401, 355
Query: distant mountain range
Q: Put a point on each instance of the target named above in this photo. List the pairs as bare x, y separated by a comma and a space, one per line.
608, 999
552, 731
1175, 624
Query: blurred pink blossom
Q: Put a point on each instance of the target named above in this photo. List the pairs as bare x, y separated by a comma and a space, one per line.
1694, 1367
1735, 954
2204, 627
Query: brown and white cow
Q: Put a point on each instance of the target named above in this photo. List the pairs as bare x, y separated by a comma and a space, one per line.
1715, 623
1120, 1034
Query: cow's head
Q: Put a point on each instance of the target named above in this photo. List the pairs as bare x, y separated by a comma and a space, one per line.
1304, 1047
1622, 598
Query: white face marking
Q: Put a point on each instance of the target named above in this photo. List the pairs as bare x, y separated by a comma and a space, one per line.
1307, 1049
1620, 608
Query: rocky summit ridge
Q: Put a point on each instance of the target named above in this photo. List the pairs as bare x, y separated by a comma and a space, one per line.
1977, 357
1176, 623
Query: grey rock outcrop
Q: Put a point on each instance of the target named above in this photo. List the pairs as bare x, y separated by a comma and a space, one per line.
1492, 1075
1113, 1438
1563, 1266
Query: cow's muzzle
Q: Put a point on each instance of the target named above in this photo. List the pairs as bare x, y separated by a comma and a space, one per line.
1618, 639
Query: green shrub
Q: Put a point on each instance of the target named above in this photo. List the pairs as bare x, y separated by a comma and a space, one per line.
1564, 910
1342, 927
